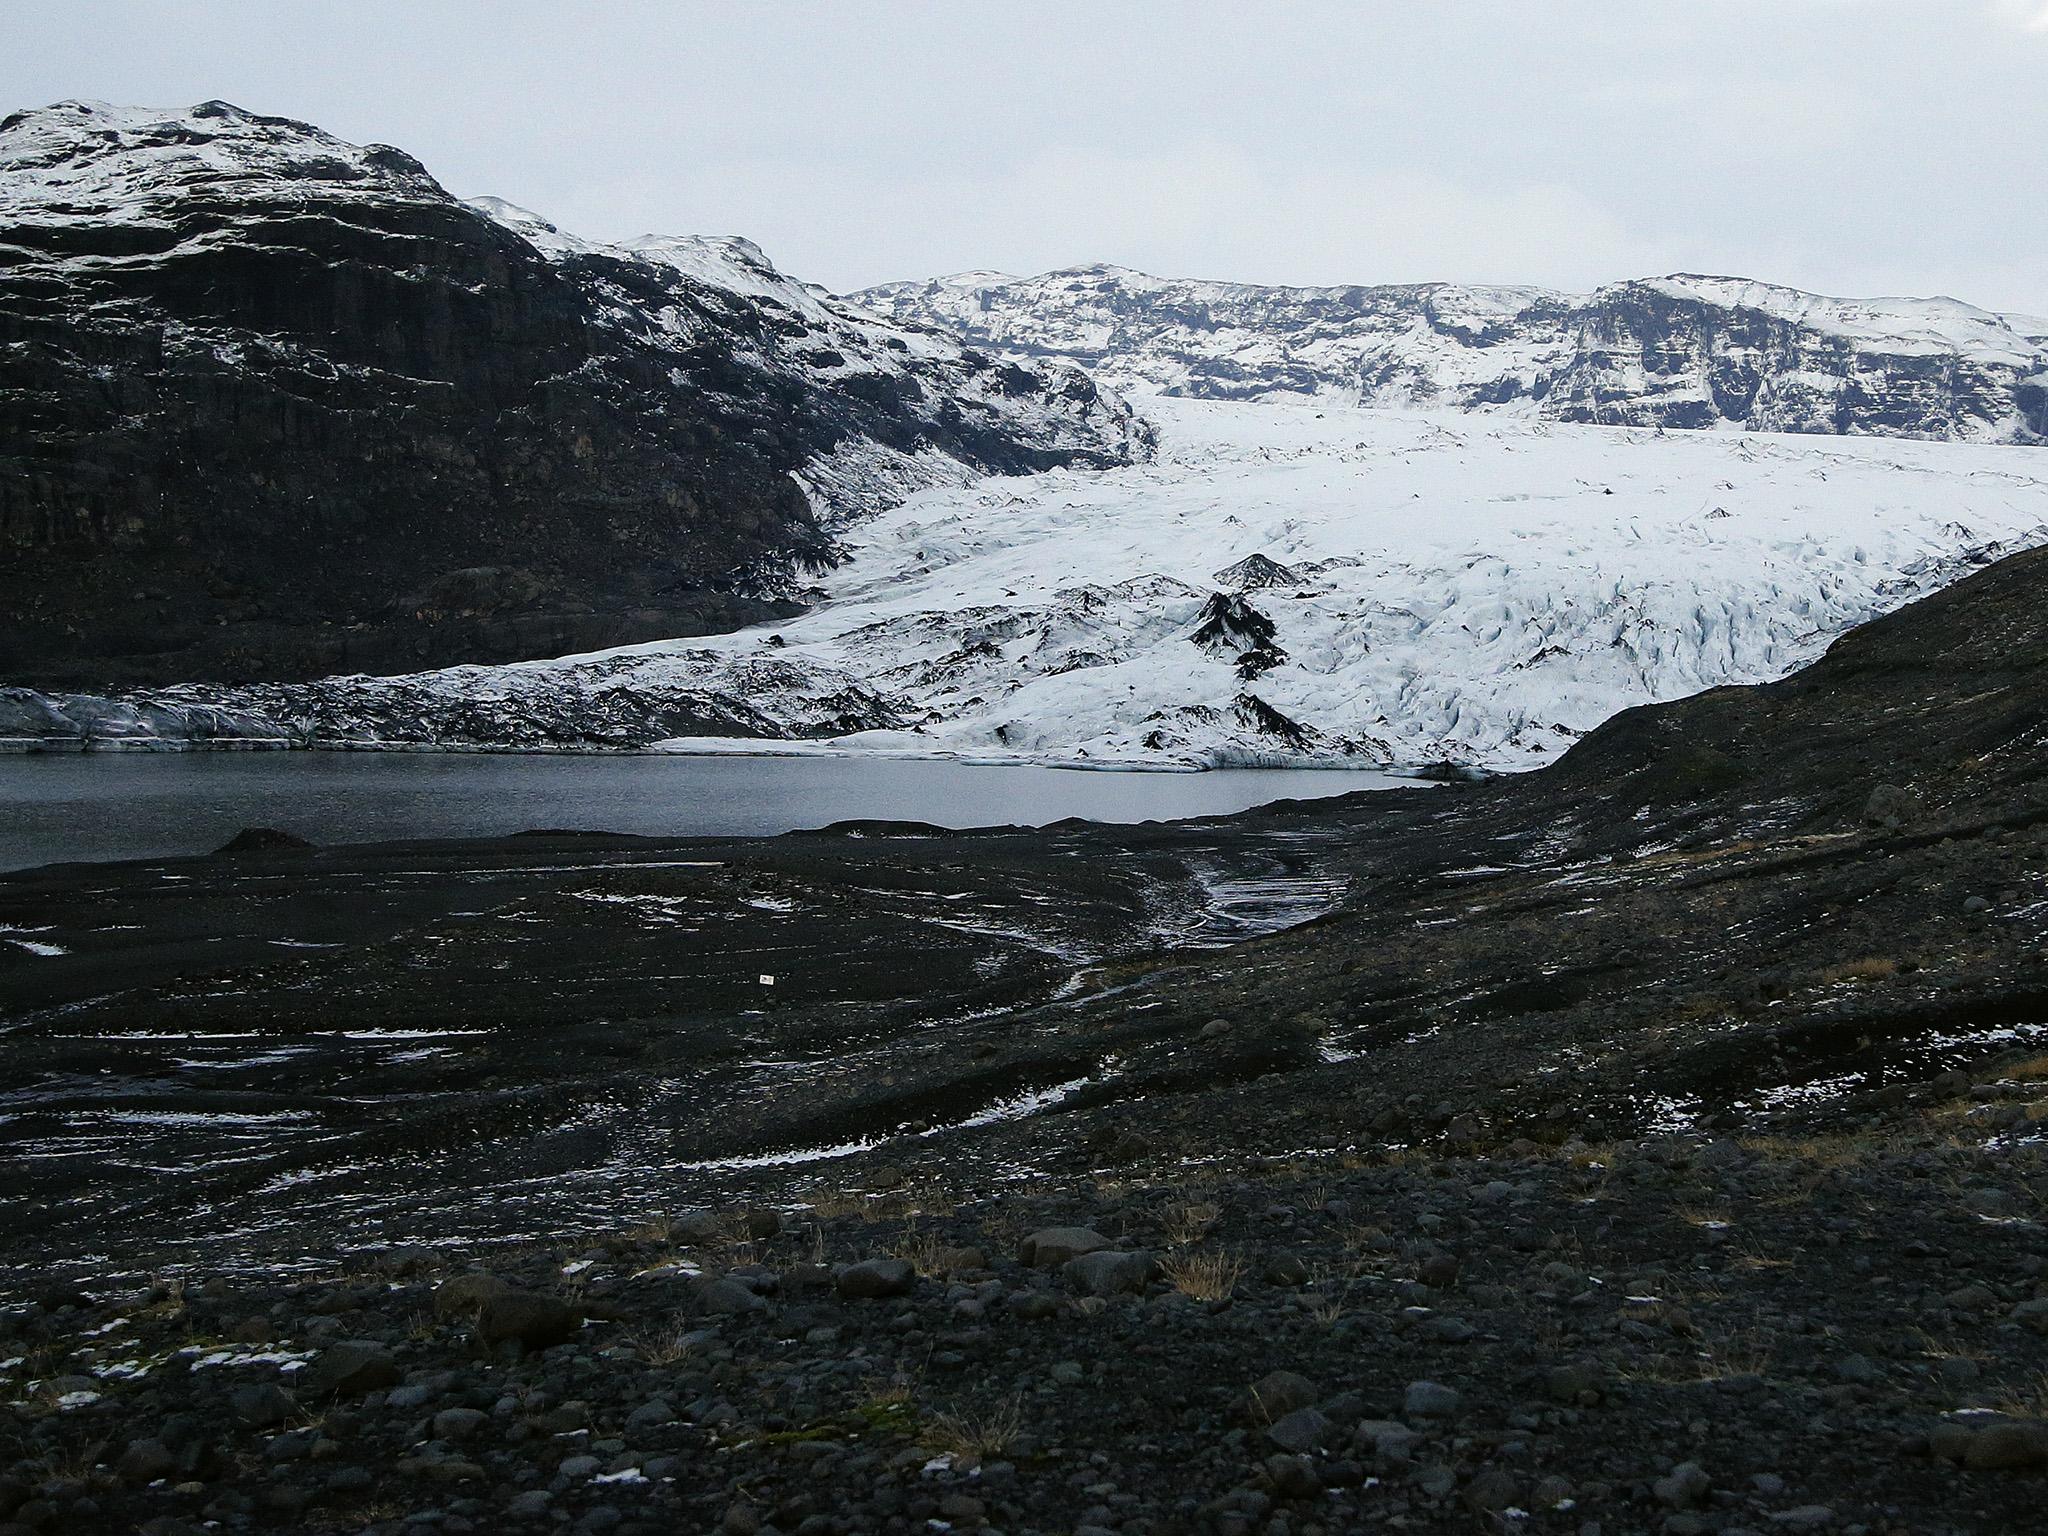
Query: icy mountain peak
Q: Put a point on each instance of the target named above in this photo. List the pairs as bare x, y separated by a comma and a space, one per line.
542, 234
73, 159
1688, 350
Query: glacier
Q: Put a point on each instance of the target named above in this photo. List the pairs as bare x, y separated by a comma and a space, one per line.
1293, 582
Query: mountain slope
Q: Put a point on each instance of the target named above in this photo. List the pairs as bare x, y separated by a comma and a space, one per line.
1678, 352
272, 404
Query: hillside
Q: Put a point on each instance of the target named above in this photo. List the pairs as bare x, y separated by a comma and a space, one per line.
275, 405
1654, 1140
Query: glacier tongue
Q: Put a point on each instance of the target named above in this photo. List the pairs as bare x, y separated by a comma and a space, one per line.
1466, 588
1477, 589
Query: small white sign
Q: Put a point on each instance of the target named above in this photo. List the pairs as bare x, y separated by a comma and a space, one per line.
767, 981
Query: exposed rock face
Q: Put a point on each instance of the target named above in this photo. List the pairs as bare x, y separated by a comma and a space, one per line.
275, 405
1679, 352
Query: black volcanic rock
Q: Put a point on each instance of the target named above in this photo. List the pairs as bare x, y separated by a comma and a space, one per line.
1678, 352
263, 840
274, 405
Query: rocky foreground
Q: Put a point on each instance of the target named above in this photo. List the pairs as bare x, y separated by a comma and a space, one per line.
1655, 1143
1679, 1334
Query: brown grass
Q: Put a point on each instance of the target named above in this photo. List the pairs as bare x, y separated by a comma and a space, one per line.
921, 1248
1749, 1255
663, 1345
1869, 968
1204, 1276
986, 1433
2028, 1400
1185, 1225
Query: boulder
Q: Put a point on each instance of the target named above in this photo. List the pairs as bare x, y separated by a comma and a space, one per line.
526, 1319
721, 1296
1108, 1272
1050, 1247
1301, 1432
1279, 1393
465, 1295
2012, 1446
349, 1369
1430, 1400
872, 1279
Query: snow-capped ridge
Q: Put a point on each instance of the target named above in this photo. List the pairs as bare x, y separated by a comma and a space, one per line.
1687, 350
56, 162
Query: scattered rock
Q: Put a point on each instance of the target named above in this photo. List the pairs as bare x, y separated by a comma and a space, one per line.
874, 1278
1280, 1393
349, 1369
1686, 1486
527, 1319
1109, 1273
1430, 1400
1050, 1247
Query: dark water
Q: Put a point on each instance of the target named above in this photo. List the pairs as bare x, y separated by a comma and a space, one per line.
152, 805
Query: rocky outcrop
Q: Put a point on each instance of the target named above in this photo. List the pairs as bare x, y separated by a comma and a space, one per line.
1678, 352
275, 405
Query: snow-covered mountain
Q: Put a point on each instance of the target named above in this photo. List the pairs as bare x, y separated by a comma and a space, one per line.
1678, 352
1286, 583
276, 404
273, 405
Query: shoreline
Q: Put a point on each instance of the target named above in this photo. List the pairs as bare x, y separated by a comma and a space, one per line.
726, 747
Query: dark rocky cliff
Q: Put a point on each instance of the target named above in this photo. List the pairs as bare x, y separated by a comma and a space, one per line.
273, 405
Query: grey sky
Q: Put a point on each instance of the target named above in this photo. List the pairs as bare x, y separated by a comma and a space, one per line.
1851, 146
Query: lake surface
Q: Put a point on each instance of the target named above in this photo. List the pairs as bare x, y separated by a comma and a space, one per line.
138, 805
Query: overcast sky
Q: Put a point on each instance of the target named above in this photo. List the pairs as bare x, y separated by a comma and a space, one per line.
1849, 146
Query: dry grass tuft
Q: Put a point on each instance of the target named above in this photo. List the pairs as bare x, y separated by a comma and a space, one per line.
2028, 1400
1751, 1256
1186, 1225
1812, 1151
655, 1229
1869, 968
1204, 1276
664, 1345
1939, 1349
921, 1248
987, 1433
